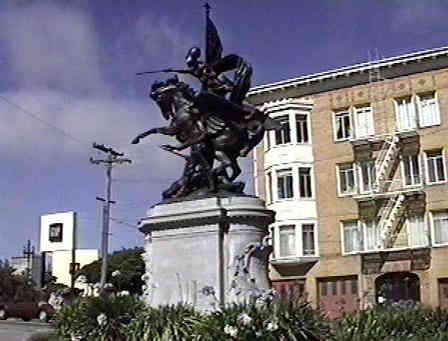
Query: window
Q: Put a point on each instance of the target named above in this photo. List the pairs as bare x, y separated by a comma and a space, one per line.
305, 182
372, 235
428, 110
368, 176
285, 184
302, 128
323, 288
440, 225
346, 179
364, 121
334, 288
422, 110
411, 169
283, 135
287, 241
406, 116
55, 232
435, 166
343, 125
308, 239
418, 235
352, 236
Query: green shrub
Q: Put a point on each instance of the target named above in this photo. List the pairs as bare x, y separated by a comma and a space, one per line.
103, 318
394, 323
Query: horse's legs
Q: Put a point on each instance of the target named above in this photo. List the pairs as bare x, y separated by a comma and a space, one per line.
221, 170
227, 162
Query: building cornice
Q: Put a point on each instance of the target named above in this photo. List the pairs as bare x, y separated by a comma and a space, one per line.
348, 76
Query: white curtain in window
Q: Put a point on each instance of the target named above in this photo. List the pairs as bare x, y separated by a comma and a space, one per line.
352, 237
287, 241
418, 234
372, 235
428, 110
406, 114
364, 121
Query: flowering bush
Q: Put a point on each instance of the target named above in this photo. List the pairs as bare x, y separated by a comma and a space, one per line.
170, 323
274, 321
103, 318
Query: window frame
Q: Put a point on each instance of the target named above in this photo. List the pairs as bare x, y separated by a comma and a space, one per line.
437, 120
442, 154
292, 227
433, 229
314, 240
299, 239
399, 101
360, 233
372, 181
344, 112
305, 129
309, 184
338, 177
290, 172
370, 127
411, 168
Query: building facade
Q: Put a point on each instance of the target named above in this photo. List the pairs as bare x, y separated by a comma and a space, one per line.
379, 185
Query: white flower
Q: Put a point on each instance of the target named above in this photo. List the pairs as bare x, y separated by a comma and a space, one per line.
97, 285
101, 319
230, 330
381, 299
108, 286
116, 273
123, 293
271, 326
244, 319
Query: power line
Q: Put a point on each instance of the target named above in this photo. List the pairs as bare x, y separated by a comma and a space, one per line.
37, 118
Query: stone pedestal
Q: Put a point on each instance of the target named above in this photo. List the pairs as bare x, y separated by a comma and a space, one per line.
206, 252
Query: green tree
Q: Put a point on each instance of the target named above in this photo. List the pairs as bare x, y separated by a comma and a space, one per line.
129, 264
17, 287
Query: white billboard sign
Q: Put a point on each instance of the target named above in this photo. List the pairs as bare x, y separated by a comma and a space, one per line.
57, 232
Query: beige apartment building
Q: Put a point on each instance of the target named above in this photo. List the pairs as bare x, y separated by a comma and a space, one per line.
358, 176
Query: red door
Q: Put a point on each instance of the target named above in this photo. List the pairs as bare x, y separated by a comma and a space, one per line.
338, 295
289, 290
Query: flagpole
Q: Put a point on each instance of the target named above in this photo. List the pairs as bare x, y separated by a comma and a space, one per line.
207, 16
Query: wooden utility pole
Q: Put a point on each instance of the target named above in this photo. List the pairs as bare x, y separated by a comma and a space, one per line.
113, 157
28, 252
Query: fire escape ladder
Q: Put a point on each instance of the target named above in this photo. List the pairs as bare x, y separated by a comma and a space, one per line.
390, 221
385, 162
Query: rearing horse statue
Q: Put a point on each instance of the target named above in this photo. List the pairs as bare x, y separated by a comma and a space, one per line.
214, 128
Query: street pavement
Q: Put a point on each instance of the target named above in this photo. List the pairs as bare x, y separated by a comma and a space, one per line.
18, 330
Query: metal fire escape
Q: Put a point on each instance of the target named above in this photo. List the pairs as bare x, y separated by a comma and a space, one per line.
391, 214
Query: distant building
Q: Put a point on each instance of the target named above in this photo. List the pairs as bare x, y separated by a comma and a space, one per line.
59, 247
379, 181
31, 265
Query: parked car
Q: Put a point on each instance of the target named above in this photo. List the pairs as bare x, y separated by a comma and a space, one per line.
26, 310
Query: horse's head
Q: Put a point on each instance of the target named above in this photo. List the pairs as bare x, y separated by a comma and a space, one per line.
164, 93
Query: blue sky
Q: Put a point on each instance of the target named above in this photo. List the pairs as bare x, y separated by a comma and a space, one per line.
68, 79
